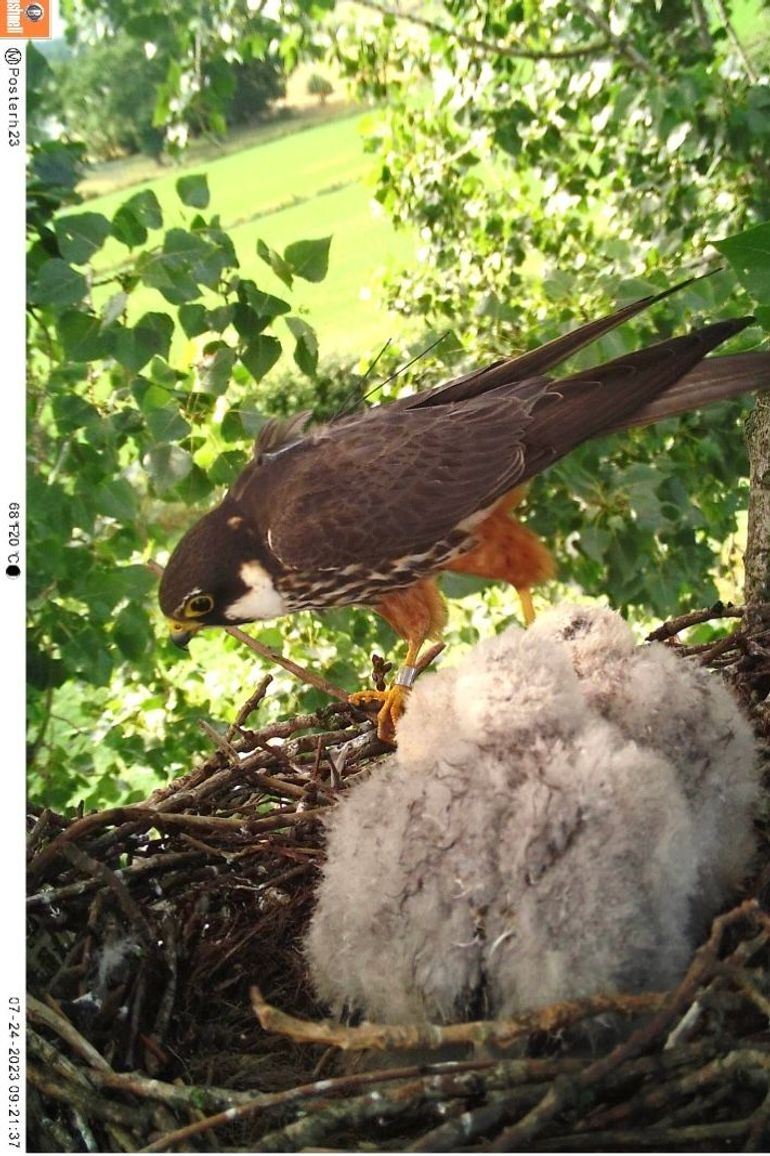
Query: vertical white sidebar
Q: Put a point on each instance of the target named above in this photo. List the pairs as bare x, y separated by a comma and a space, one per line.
13, 516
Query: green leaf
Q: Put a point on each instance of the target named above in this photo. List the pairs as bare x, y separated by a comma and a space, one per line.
116, 499
81, 235
252, 419
39, 73
82, 336
131, 581
155, 330
135, 216
167, 425
758, 110
255, 309
57, 166
749, 255
132, 631
192, 318
127, 229
114, 308
170, 276
306, 347
246, 322
167, 465
72, 412
763, 316
265, 305
280, 267
193, 190
224, 243
206, 262
309, 259
641, 481
594, 541
461, 585
194, 487
227, 466
232, 426
43, 671
219, 318
150, 395
146, 208
216, 368
186, 262
260, 355
150, 337
86, 657
57, 283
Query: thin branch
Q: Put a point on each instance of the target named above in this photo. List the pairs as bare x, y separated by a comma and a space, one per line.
429, 656
480, 44
562, 1094
88, 1103
743, 980
55, 1021
220, 741
263, 651
301, 672
144, 818
497, 1032
702, 20
694, 618
241, 1105
154, 865
251, 704
724, 16
618, 43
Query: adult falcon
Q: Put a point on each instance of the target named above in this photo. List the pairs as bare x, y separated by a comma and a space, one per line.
298, 529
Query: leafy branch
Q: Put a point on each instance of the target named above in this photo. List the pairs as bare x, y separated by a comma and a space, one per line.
481, 44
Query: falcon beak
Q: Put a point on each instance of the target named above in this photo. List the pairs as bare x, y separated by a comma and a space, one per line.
180, 635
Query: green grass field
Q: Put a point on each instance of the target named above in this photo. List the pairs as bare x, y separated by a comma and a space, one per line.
299, 178
307, 184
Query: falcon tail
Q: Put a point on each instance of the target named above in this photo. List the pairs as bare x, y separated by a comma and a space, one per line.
524, 371
715, 379
667, 378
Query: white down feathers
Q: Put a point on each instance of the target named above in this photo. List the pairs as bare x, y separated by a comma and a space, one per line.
564, 814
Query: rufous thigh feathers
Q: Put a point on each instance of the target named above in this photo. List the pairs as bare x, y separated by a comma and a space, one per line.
505, 549
416, 612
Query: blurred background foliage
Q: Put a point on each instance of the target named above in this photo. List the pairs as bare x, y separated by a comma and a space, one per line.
472, 179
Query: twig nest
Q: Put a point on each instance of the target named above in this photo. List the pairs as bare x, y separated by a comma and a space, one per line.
564, 813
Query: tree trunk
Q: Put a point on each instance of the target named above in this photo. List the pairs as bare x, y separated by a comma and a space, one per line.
757, 559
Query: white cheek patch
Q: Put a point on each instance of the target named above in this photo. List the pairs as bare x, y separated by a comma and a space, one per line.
261, 600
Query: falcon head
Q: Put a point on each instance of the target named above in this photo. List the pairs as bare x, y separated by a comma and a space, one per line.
218, 575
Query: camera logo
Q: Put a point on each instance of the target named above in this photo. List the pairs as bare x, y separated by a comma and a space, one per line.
25, 19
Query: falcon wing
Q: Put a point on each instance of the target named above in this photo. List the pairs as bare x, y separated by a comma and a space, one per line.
395, 481
540, 360
386, 484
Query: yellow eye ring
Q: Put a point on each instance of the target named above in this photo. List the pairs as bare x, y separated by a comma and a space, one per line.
198, 605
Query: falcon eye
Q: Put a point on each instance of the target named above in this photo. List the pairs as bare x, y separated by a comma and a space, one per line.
199, 604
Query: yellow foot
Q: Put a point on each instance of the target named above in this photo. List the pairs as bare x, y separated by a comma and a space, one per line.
527, 607
393, 704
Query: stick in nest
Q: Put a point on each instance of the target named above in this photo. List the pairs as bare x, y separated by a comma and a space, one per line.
301, 672
263, 651
423, 1035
